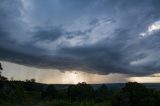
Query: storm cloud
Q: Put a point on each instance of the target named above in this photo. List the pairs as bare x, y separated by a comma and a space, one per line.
95, 36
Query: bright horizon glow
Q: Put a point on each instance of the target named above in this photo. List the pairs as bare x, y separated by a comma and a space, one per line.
50, 76
148, 79
53, 76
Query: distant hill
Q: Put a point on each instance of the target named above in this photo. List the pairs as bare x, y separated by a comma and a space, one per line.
111, 85
121, 85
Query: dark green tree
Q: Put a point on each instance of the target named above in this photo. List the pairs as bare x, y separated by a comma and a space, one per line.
101, 93
2, 78
120, 98
1, 67
33, 80
49, 92
136, 92
81, 91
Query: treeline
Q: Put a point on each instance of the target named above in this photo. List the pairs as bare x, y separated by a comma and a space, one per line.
132, 94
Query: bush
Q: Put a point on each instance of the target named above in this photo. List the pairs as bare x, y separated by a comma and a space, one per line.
81, 91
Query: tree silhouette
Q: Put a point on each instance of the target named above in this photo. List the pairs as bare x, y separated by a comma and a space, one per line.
31, 80
136, 92
2, 78
81, 91
1, 67
50, 92
101, 93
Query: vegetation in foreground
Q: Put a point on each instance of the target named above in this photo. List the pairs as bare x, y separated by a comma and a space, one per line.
30, 93
18, 93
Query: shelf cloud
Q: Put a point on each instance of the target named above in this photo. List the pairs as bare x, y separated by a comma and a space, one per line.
95, 36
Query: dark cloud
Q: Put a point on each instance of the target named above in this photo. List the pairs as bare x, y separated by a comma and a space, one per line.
94, 36
49, 34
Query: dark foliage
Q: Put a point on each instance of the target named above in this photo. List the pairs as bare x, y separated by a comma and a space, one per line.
2, 78
81, 91
136, 94
1, 67
20, 92
101, 94
49, 92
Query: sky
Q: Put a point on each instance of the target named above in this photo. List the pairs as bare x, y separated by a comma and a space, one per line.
70, 41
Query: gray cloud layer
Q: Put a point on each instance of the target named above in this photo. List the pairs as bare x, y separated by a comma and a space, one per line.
97, 36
